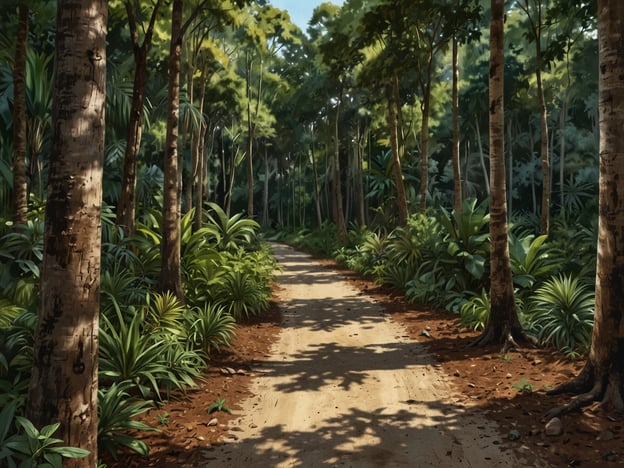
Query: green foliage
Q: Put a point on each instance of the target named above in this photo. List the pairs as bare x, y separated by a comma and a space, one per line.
230, 233
127, 353
21, 251
322, 242
468, 236
531, 260
116, 425
211, 327
23, 445
219, 405
564, 313
524, 386
475, 313
241, 294
368, 255
164, 312
163, 419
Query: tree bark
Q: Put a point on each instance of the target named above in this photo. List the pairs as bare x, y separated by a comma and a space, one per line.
457, 183
126, 208
171, 269
337, 199
544, 151
603, 375
503, 325
64, 381
20, 181
482, 157
396, 156
424, 157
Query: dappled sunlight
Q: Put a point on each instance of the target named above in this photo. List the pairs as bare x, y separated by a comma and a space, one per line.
393, 435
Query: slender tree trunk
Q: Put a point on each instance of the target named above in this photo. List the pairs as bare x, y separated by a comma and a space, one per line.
126, 208
563, 117
20, 181
503, 325
63, 386
602, 378
457, 183
197, 158
171, 269
317, 195
361, 198
265, 189
511, 161
424, 138
544, 151
486, 177
338, 209
396, 156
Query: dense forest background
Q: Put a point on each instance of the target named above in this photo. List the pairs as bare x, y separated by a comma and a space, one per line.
366, 137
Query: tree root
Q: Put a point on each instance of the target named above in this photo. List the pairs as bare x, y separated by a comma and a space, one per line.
508, 337
578, 402
582, 383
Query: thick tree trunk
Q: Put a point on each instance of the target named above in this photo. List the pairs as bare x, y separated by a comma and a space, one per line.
503, 325
457, 183
171, 269
396, 156
603, 375
126, 207
20, 181
64, 381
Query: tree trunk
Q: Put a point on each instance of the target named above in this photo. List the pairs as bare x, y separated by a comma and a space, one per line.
361, 197
317, 194
457, 183
545, 157
198, 157
482, 157
337, 199
503, 325
602, 378
511, 161
396, 156
126, 208
424, 139
20, 181
265, 188
171, 270
63, 386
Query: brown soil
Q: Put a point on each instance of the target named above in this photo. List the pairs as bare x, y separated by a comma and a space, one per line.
507, 389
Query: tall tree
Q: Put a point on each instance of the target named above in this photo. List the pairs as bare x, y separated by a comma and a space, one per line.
170, 278
20, 181
534, 12
457, 185
126, 207
64, 382
602, 377
503, 324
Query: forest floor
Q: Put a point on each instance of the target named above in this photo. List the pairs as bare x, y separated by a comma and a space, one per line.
370, 380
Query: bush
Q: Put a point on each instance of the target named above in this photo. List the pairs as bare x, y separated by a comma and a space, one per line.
564, 314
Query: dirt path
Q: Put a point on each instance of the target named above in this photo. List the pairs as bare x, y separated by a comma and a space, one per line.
345, 386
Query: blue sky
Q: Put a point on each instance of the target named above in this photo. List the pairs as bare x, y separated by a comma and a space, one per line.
300, 11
